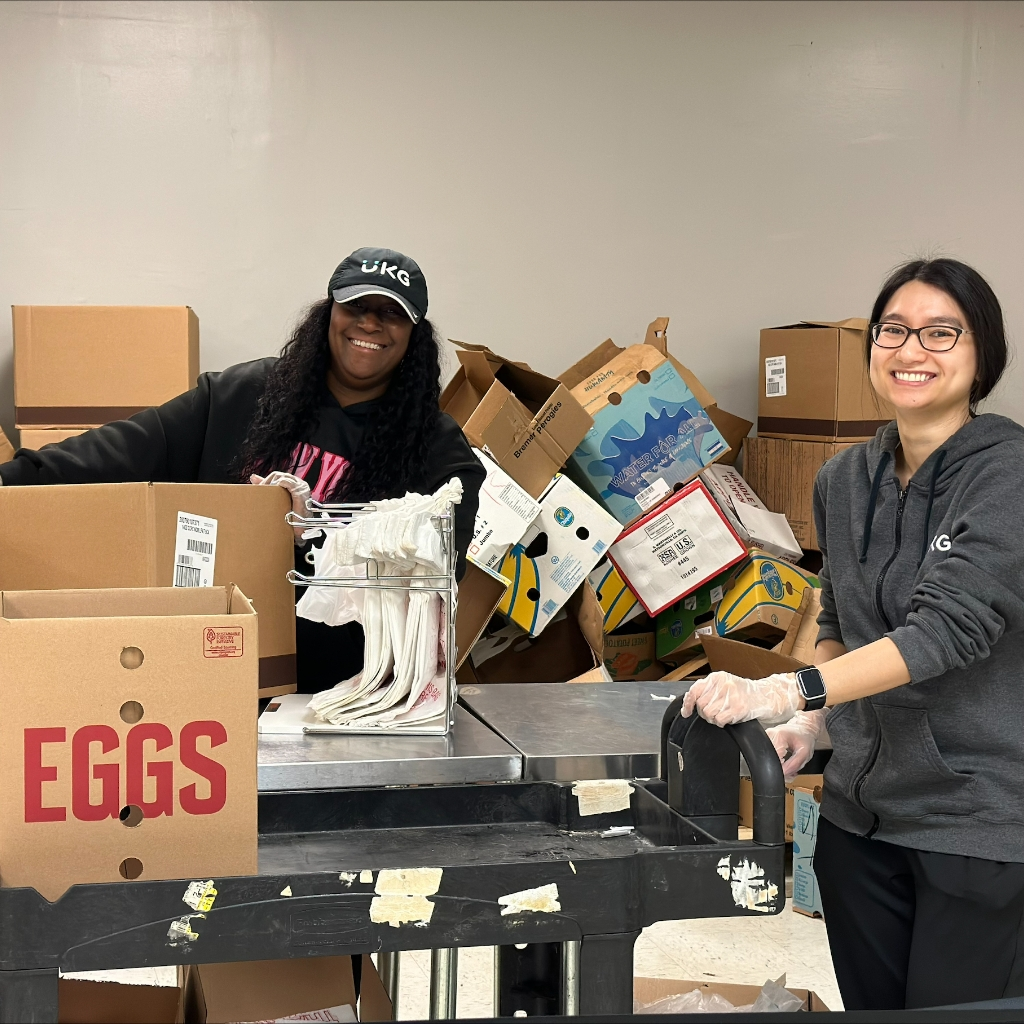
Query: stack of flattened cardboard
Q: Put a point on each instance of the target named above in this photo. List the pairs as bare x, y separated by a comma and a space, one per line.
77, 367
815, 399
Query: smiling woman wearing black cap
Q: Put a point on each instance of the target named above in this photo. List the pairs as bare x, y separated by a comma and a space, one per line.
350, 407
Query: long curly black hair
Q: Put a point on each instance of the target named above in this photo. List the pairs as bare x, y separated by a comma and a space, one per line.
398, 431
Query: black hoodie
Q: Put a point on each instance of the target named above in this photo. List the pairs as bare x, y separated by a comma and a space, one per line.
937, 764
197, 436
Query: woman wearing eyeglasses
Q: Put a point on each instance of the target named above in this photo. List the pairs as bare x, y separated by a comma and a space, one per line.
919, 663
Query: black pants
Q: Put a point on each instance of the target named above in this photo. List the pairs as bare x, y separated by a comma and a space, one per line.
910, 929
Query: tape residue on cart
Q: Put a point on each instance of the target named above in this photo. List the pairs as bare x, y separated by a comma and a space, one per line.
200, 896
402, 896
602, 796
542, 900
750, 889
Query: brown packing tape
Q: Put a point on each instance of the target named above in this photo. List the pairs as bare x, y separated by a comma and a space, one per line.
277, 673
73, 416
825, 430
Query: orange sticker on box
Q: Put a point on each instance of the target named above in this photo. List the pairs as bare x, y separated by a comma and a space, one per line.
223, 642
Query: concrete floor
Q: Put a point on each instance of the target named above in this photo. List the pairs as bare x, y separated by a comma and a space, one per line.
740, 950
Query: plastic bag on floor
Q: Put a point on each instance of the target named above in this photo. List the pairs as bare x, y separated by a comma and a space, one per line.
774, 997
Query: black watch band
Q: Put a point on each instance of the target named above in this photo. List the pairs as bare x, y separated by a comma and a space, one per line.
812, 688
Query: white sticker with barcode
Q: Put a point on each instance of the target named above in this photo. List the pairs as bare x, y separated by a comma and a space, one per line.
775, 377
195, 551
650, 496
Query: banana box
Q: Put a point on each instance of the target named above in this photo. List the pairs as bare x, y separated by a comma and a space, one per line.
618, 602
565, 542
763, 598
679, 628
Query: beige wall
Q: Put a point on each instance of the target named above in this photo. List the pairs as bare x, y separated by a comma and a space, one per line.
563, 172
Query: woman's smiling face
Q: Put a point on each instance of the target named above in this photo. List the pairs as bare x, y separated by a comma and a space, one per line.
913, 379
368, 338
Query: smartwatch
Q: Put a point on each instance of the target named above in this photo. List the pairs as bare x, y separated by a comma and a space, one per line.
812, 688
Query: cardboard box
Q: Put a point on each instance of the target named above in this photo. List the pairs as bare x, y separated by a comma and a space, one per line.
555, 555
35, 439
679, 627
631, 655
814, 383
82, 366
618, 602
782, 472
804, 782
265, 990
528, 423
802, 635
163, 681
480, 592
650, 990
83, 1001
763, 598
748, 516
806, 800
733, 428
650, 433
124, 535
572, 646
669, 553
6, 448
504, 514
745, 660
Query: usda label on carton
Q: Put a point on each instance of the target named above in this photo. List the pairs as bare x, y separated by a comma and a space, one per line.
195, 551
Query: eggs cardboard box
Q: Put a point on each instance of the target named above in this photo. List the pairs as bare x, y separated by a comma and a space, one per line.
679, 627
528, 423
757, 527
650, 432
683, 543
763, 598
618, 602
145, 765
504, 514
555, 555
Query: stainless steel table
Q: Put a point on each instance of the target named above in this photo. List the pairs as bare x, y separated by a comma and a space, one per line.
567, 732
471, 753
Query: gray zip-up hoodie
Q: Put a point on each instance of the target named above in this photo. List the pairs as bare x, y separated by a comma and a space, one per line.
937, 764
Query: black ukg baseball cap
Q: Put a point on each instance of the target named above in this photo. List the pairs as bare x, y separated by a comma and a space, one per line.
381, 272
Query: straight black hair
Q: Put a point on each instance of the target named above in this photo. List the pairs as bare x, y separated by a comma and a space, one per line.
973, 294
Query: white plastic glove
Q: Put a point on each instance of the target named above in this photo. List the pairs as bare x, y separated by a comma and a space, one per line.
298, 489
794, 741
725, 699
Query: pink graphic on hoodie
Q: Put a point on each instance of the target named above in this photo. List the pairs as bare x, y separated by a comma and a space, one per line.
332, 469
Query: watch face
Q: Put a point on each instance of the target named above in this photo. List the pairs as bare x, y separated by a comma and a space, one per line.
810, 683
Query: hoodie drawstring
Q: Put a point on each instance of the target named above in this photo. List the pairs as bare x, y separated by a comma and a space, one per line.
876, 483
931, 500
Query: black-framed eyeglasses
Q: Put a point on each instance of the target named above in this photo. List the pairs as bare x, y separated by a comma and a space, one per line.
934, 338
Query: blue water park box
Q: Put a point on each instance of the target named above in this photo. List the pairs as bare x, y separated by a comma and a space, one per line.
650, 434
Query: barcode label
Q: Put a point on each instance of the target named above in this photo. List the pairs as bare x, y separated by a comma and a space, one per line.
650, 496
186, 576
775, 377
195, 550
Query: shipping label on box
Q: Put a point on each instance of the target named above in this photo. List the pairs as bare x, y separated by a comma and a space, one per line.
673, 550
504, 514
806, 897
618, 602
764, 597
146, 767
748, 516
649, 432
554, 557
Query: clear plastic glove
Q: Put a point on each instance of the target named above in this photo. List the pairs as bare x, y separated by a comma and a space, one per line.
298, 489
725, 699
794, 741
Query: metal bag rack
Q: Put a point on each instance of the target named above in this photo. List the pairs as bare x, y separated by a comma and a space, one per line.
339, 515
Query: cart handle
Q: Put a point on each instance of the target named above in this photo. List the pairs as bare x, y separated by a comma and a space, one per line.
701, 796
